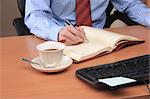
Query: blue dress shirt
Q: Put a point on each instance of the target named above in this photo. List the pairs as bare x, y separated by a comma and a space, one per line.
45, 18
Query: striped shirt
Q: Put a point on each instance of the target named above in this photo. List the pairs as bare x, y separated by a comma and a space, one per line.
45, 18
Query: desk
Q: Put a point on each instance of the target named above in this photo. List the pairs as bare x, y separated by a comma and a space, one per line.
20, 81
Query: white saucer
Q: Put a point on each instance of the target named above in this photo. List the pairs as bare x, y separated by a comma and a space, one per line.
64, 64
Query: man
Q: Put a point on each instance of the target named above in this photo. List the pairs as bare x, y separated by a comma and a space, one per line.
46, 18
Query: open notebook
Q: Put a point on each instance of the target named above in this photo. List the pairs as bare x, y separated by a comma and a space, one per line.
100, 42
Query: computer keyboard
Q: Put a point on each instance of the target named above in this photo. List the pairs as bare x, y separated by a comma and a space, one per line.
137, 68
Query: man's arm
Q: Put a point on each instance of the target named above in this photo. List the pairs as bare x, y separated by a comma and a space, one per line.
40, 20
42, 23
135, 9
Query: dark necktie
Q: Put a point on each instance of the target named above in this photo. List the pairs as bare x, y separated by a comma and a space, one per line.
83, 13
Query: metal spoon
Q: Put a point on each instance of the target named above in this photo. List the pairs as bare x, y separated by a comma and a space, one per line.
26, 60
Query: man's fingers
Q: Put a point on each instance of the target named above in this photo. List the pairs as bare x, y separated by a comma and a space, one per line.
76, 32
81, 30
70, 35
73, 38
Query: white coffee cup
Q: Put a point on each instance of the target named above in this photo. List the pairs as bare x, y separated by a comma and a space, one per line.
50, 53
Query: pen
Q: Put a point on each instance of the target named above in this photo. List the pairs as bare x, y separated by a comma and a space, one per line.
69, 23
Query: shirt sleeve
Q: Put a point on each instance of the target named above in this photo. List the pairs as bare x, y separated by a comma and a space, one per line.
135, 9
40, 19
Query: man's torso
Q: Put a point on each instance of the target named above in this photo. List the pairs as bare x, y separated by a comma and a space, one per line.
66, 9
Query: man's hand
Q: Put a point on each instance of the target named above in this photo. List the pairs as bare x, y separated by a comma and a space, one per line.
70, 35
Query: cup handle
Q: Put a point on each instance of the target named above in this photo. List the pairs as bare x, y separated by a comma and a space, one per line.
51, 65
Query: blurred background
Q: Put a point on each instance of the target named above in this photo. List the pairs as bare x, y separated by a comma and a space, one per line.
8, 11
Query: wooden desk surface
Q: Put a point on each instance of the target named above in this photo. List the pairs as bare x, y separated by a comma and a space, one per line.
20, 81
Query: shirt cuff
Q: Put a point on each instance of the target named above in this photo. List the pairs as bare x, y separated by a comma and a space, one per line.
53, 35
147, 20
